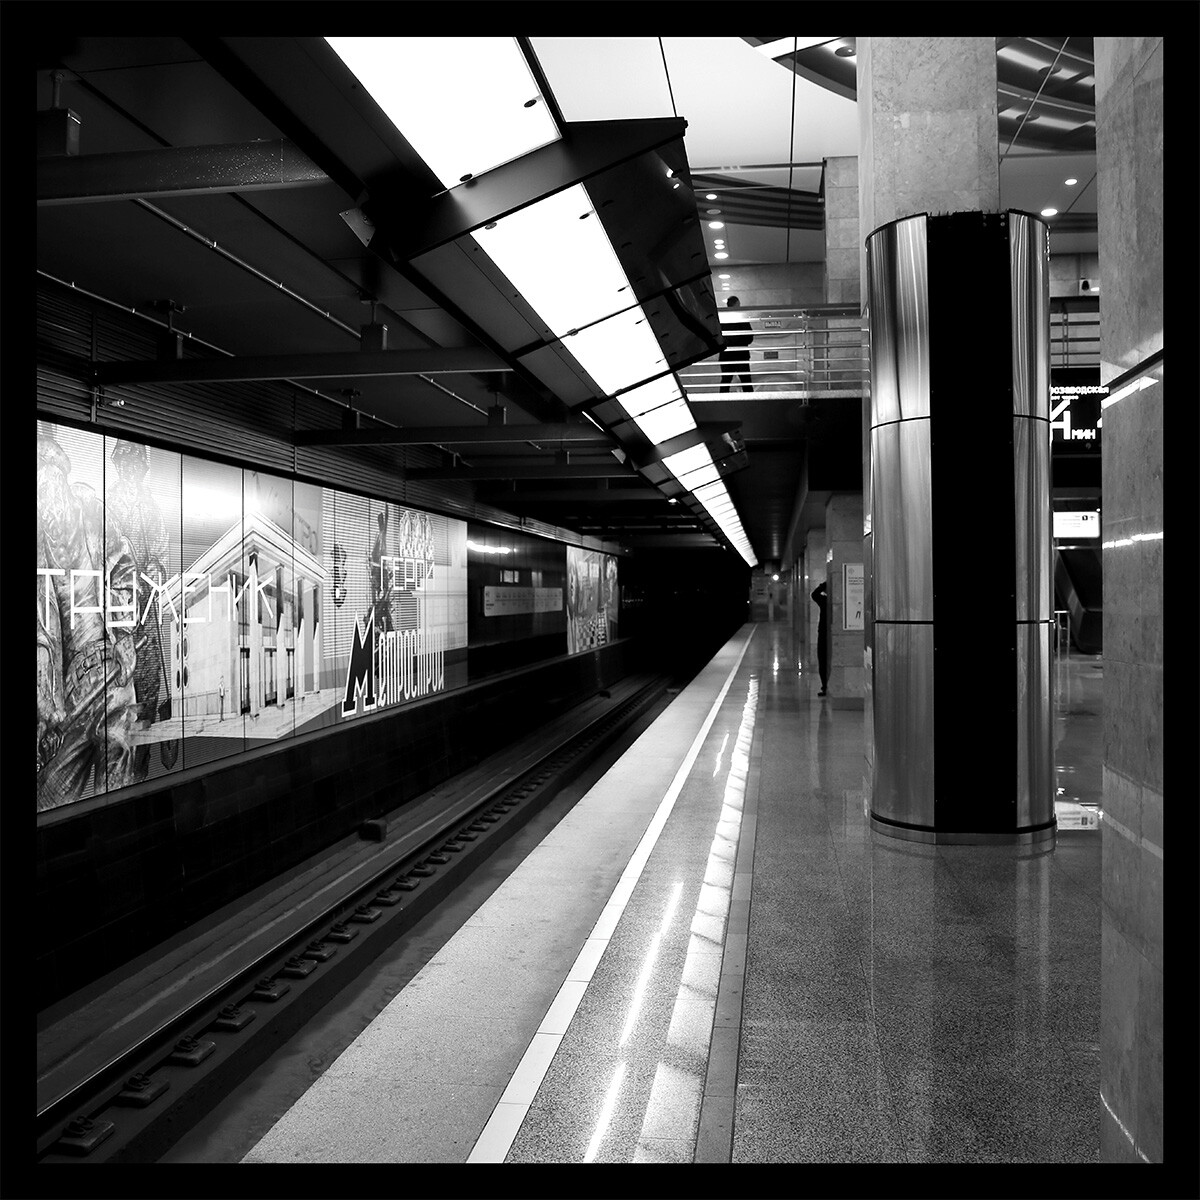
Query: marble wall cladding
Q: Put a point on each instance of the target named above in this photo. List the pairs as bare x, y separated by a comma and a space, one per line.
927, 128
1129, 119
1129, 146
842, 240
1066, 270
843, 532
763, 285
1131, 1051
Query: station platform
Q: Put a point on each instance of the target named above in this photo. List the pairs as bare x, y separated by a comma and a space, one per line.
711, 958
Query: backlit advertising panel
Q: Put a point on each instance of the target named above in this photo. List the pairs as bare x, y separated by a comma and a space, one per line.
592, 599
189, 610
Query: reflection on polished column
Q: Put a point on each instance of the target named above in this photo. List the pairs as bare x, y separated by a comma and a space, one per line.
959, 529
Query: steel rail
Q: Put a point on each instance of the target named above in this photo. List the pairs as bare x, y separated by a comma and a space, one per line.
94, 1096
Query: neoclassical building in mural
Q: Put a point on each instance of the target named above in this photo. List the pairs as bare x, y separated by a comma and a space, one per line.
246, 617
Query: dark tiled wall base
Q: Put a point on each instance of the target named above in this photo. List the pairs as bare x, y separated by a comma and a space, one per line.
114, 882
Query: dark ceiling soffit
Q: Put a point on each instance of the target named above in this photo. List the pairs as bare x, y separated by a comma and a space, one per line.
577, 498
506, 469
577, 437
307, 92
177, 171
353, 364
586, 149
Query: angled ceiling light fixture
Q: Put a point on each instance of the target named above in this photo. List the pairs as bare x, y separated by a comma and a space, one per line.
469, 105
466, 104
658, 409
695, 470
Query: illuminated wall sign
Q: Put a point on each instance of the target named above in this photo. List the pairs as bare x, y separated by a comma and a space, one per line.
852, 610
1075, 421
1076, 525
190, 610
592, 599
506, 601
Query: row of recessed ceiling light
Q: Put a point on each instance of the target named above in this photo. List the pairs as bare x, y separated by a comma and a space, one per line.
467, 105
1053, 212
719, 249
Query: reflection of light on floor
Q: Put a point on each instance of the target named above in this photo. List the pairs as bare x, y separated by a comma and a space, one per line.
677, 1090
720, 755
639, 991
610, 1101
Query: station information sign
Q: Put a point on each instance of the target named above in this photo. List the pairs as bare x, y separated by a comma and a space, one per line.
1075, 414
1074, 525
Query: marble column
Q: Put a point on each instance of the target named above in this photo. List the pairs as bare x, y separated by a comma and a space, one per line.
843, 240
928, 133
1129, 143
844, 534
958, 407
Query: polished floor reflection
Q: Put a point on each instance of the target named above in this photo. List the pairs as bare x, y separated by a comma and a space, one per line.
898, 1002
711, 958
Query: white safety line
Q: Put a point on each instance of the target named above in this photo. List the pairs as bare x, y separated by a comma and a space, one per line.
501, 1130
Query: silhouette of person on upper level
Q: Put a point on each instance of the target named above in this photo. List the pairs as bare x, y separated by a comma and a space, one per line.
735, 358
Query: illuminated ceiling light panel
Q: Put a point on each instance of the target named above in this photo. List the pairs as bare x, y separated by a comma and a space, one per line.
564, 266
619, 352
693, 467
687, 460
659, 409
462, 102
650, 395
662, 424
774, 49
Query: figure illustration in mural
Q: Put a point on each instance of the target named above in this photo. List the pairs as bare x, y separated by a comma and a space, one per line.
381, 584
339, 575
86, 701
611, 596
134, 514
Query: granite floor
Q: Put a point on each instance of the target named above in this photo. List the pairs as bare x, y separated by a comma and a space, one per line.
713, 959
898, 1002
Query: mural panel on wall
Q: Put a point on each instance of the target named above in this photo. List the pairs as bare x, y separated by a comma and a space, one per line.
189, 610
592, 599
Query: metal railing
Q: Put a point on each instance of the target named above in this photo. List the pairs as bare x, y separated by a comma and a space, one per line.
796, 353
1074, 338
824, 350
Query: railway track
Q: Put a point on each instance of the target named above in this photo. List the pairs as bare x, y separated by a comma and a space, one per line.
145, 1096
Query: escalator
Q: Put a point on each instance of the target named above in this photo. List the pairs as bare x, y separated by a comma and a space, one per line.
1079, 590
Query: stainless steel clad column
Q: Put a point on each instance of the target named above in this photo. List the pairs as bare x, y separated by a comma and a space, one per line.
959, 508
902, 551
1029, 267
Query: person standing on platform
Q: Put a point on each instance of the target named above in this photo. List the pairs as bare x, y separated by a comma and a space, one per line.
735, 358
221, 695
821, 599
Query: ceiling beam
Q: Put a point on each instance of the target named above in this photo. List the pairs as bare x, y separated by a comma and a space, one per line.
350, 365
507, 469
175, 171
568, 496
577, 437
585, 150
